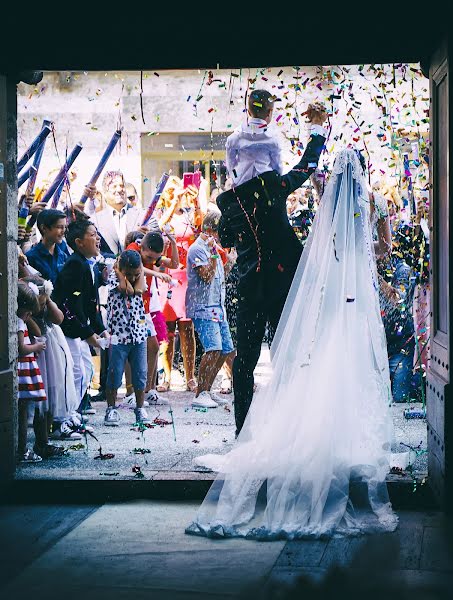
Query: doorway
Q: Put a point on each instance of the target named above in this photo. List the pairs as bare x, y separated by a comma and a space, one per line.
437, 358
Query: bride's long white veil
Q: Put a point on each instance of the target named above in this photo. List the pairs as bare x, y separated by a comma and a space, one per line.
321, 426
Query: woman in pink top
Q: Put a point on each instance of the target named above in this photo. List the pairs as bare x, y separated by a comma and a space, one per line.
181, 214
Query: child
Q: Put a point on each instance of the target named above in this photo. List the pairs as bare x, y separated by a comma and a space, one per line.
126, 320
76, 294
151, 250
134, 238
252, 148
205, 305
56, 365
51, 253
31, 385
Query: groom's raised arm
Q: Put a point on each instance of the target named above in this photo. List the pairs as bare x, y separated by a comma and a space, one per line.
299, 174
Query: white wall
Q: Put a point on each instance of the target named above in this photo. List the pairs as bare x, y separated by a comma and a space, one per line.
88, 107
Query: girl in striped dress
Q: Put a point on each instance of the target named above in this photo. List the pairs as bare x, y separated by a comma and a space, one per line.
30, 382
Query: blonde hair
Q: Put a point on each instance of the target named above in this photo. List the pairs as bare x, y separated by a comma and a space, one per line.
390, 192
167, 195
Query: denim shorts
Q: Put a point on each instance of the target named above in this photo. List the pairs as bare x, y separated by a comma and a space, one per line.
136, 355
214, 335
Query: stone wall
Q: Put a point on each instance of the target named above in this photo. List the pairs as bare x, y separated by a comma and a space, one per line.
88, 107
8, 279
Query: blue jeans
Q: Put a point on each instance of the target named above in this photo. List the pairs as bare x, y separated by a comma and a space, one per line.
214, 335
136, 355
401, 364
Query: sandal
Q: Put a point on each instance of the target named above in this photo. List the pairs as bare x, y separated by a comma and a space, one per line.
163, 387
191, 385
30, 457
49, 451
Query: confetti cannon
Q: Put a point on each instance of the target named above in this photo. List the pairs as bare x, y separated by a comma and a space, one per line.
37, 162
56, 196
32, 172
57, 181
62, 173
25, 175
37, 142
108, 152
152, 205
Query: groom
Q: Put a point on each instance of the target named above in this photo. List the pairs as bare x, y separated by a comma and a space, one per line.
254, 220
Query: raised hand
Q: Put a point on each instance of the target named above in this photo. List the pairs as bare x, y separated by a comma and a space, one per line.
89, 191
37, 207
40, 346
316, 113
164, 277
22, 234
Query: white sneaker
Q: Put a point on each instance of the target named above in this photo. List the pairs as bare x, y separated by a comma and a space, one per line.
141, 415
131, 402
76, 419
76, 423
218, 398
64, 432
82, 428
204, 400
152, 398
112, 417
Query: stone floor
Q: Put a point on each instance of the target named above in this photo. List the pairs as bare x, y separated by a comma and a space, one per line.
165, 451
139, 550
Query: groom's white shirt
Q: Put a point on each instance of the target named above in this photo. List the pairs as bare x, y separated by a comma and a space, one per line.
253, 148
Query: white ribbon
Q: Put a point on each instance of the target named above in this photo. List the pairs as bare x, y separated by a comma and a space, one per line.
34, 288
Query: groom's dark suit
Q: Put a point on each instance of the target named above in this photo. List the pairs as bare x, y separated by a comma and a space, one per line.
254, 220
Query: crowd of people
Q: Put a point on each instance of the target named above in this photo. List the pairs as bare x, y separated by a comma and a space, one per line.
102, 296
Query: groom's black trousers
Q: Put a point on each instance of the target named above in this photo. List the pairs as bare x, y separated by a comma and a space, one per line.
252, 318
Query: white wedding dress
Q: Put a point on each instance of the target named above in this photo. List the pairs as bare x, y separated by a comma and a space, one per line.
313, 455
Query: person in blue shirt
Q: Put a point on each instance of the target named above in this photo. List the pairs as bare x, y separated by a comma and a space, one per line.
396, 298
205, 305
51, 253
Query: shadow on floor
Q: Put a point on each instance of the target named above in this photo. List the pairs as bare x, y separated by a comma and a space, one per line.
27, 531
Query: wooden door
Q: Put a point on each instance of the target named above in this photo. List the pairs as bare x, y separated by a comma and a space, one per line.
439, 394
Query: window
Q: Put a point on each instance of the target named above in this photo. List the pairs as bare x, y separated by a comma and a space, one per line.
180, 153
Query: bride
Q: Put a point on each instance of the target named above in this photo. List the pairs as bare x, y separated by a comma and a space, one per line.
312, 457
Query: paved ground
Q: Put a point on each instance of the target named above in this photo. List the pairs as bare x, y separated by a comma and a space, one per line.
164, 452
139, 550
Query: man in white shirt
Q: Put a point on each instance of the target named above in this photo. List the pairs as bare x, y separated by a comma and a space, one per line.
254, 221
254, 147
118, 218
